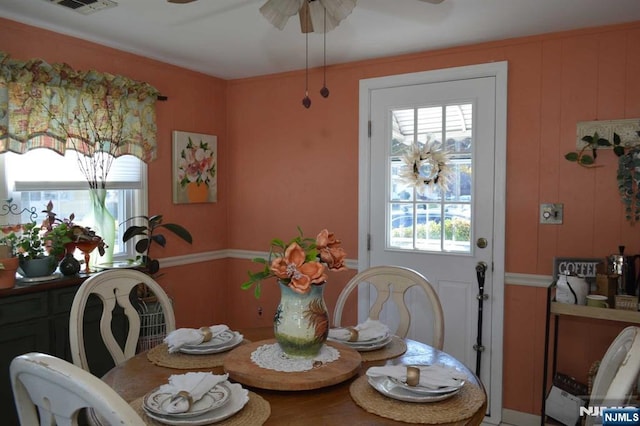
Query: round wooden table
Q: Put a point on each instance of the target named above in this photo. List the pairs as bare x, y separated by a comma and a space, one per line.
331, 405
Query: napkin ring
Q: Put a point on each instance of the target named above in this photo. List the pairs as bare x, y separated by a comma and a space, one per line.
206, 332
353, 334
186, 395
413, 376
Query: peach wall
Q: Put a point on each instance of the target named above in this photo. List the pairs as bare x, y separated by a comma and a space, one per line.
291, 166
197, 103
282, 165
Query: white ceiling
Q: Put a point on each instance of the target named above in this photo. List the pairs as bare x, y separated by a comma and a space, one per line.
231, 39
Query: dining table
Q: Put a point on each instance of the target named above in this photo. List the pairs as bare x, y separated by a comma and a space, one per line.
349, 399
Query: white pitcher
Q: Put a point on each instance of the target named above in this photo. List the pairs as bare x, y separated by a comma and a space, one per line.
572, 289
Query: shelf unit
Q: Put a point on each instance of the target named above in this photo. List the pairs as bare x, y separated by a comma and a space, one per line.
558, 310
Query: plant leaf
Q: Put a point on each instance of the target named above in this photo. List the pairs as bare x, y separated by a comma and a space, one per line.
134, 230
159, 239
178, 230
571, 156
586, 160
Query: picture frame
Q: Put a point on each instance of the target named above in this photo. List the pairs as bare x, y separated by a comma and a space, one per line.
195, 168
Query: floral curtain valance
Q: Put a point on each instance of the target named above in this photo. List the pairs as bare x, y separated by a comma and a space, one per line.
56, 107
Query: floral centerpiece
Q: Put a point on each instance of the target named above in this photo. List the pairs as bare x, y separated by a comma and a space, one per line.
300, 263
301, 321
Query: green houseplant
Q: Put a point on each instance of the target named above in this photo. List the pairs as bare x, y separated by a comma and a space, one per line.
628, 175
148, 233
37, 248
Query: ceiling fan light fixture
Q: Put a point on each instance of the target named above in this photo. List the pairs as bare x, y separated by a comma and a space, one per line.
278, 12
318, 23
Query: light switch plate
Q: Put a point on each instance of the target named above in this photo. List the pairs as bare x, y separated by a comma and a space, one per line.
551, 213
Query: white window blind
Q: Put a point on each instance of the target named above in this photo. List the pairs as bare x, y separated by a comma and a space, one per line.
43, 169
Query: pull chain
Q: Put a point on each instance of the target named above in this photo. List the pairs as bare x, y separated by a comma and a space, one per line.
324, 91
306, 101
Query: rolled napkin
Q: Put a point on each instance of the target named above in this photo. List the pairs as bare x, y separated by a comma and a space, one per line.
189, 388
368, 330
192, 336
431, 376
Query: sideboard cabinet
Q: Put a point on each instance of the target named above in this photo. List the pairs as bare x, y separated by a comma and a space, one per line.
38, 321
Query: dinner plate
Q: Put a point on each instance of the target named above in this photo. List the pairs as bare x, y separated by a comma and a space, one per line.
220, 339
203, 349
389, 388
157, 400
368, 341
426, 390
119, 264
238, 399
367, 345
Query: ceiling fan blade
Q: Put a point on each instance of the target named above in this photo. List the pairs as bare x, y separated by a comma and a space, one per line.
433, 1
180, 1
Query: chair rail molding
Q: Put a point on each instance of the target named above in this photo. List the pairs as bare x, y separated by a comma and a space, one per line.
510, 278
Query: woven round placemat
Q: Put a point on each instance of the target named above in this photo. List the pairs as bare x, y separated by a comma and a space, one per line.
256, 412
455, 409
394, 349
159, 355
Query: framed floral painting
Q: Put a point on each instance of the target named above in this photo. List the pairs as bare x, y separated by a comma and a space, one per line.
195, 167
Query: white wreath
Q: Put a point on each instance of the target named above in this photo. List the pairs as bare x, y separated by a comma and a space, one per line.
432, 159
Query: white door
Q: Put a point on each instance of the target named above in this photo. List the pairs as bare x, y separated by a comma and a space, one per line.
446, 231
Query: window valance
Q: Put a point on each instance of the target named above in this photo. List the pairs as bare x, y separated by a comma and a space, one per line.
54, 106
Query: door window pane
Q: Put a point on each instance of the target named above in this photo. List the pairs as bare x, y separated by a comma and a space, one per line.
431, 220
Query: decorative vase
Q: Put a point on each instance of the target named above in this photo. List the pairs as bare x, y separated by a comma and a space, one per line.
8, 272
301, 322
69, 265
103, 223
197, 192
40, 267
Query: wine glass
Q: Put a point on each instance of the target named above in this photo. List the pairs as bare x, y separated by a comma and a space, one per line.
86, 247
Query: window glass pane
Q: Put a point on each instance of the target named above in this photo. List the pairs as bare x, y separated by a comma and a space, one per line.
432, 220
44, 169
49, 176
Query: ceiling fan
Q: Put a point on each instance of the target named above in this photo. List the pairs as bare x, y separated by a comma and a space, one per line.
312, 12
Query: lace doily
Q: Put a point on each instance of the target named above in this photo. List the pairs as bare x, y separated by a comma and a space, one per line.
271, 357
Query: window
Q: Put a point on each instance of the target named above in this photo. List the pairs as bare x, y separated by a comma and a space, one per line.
431, 221
32, 179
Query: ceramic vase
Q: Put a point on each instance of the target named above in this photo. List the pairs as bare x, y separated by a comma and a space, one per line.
103, 223
69, 265
301, 322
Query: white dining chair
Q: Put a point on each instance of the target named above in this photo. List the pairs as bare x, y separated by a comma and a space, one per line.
114, 287
393, 282
51, 391
617, 376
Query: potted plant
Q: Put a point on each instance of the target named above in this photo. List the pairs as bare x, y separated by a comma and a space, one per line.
8, 266
38, 249
81, 237
147, 231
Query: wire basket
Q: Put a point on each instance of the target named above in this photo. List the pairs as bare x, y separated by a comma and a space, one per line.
626, 303
153, 327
